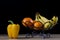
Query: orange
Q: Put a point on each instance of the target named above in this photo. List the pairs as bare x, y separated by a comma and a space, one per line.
27, 22
37, 25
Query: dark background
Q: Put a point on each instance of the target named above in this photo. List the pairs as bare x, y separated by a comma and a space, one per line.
16, 11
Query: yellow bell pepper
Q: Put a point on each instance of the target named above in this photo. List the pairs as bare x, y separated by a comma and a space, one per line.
13, 30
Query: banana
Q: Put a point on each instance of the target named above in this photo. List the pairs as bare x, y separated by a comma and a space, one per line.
41, 21
55, 20
38, 19
48, 24
43, 18
52, 23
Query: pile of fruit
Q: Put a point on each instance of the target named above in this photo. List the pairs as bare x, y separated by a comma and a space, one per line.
40, 23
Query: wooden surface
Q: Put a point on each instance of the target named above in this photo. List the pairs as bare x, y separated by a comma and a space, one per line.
36, 37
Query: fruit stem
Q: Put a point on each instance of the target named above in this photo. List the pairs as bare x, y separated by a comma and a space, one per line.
37, 16
11, 21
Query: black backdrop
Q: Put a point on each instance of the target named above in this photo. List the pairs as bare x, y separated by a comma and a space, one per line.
16, 11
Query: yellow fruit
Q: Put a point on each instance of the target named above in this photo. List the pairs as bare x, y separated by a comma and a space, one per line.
13, 30
47, 25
